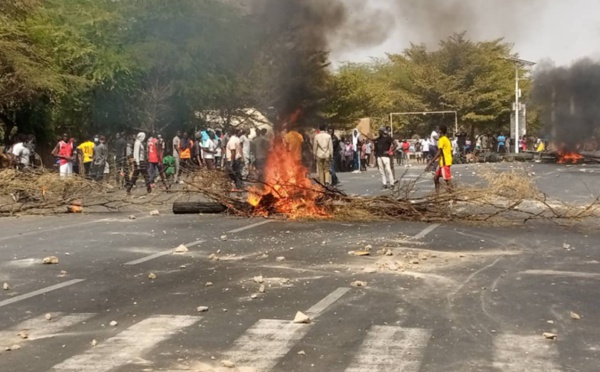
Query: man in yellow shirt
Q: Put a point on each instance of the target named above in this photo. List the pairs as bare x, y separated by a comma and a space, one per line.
294, 140
444, 156
87, 149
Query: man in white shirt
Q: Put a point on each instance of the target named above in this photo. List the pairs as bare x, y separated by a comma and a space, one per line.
235, 159
323, 151
176, 143
433, 147
21, 153
245, 143
209, 150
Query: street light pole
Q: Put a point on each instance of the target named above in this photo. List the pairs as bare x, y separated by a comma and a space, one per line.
518, 64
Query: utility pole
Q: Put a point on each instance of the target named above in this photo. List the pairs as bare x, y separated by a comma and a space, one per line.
518, 64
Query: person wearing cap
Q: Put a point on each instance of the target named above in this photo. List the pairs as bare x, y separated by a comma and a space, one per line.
100, 159
63, 151
384, 149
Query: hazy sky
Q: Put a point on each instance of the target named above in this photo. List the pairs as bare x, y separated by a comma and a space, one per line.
562, 30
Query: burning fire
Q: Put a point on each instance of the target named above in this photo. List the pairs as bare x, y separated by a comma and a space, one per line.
566, 157
287, 188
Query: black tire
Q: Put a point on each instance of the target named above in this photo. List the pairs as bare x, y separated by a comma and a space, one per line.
198, 207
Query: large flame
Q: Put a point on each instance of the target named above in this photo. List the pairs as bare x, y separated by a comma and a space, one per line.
287, 189
567, 157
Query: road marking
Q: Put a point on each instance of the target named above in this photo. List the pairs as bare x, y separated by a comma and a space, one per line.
391, 349
268, 340
574, 274
40, 327
160, 254
128, 345
249, 227
518, 353
39, 292
319, 307
426, 231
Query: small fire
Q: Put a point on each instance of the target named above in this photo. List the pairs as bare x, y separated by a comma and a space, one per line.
287, 188
566, 157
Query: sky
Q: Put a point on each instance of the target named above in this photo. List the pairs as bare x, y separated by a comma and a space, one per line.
561, 30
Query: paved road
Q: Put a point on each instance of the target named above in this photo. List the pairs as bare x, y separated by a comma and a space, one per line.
450, 298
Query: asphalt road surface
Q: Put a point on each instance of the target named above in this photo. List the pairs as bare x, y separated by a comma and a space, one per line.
435, 297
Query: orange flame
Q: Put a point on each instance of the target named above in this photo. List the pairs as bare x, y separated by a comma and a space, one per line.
287, 188
565, 157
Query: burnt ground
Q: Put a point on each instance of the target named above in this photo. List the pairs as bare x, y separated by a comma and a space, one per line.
450, 297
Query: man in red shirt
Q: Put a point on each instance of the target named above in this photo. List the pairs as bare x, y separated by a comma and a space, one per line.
405, 152
64, 152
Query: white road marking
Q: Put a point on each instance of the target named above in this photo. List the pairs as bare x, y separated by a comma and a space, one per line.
160, 254
319, 307
38, 328
516, 353
391, 349
426, 231
39, 292
249, 227
128, 345
148, 258
573, 274
268, 340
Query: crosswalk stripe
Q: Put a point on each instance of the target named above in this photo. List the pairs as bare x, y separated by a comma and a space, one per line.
518, 353
40, 327
127, 345
268, 340
391, 349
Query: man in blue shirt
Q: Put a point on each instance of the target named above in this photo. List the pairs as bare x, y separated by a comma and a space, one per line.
501, 143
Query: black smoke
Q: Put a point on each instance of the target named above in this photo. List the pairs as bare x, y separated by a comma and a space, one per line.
569, 101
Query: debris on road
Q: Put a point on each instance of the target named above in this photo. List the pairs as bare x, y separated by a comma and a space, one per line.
113, 323
208, 284
369, 270
132, 217
155, 212
575, 316
362, 253
228, 364
23, 334
94, 343
181, 249
223, 237
14, 347
63, 273
213, 257
254, 296
202, 309
301, 318
301, 352
368, 248
261, 289
259, 279
550, 336
358, 283
5, 286
48, 316
389, 252
280, 259
151, 276
50, 260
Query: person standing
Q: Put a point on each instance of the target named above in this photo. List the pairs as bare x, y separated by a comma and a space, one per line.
368, 152
100, 159
433, 146
323, 152
64, 152
235, 159
245, 143
336, 157
21, 153
209, 150
405, 152
293, 140
363, 155
261, 150
140, 164
122, 168
444, 156
185, 152
384, 150
153, 160
176, 144
219, 152
502, 143
87, 150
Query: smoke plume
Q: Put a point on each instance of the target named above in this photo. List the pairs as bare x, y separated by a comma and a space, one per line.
569, 99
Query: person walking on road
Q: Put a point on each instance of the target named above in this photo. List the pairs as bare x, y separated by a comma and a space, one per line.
444, 156
140, 163
323, 152
384, 150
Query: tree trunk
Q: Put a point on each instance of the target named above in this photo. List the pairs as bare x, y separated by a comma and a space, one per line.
198, 207
9, 125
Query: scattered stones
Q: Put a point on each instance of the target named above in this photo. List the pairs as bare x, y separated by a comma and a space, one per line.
14, 347
50, 260
48, 316
132, 217
351, 253
23, 334
228, 364
63, 273
369, 270
253, 296
213, 257
550, 321
202, 309
575, 316
5, 286
280, 259
368, 247
358, 283
301, 352
362, 253
414, 261
113, 323
261, 289
94, 342
389, 252
181, 249
223, 237
259, 279
155, 212
301, 318
151, 276
208, 284
550, 336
